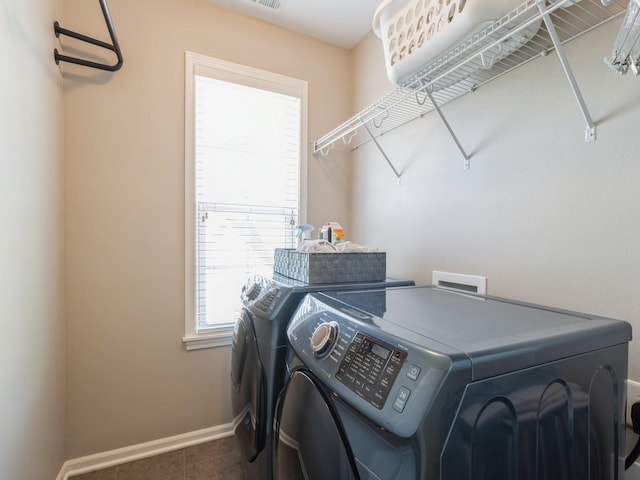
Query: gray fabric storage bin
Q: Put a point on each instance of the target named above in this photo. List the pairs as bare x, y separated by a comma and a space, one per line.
330, 267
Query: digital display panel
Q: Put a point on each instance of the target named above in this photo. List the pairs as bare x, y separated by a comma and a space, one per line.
380, 351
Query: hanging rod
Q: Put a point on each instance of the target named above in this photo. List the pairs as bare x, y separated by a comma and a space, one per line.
113, 46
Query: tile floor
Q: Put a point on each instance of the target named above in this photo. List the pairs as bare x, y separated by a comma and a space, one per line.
216, 460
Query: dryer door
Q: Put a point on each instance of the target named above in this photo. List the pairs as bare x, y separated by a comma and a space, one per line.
310, 443
247, 389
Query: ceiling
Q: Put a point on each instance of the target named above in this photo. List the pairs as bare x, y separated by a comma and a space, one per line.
340, 22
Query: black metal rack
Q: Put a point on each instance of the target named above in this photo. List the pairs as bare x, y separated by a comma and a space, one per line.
113, 46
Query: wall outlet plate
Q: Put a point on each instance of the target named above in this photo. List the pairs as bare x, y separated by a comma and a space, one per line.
633, 396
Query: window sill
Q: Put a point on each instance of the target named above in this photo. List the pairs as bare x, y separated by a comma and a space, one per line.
218, 337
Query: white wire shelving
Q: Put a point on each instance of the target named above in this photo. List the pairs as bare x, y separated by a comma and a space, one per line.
464, 69
626, 48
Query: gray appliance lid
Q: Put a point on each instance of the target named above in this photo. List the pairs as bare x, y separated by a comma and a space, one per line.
274, 296
498, 335
299, 286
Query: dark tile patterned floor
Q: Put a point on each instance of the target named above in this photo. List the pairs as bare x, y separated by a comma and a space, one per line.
216, 460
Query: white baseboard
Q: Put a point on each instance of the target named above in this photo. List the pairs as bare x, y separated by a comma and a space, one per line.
119, 456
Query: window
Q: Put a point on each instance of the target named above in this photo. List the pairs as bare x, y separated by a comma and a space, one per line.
245, 148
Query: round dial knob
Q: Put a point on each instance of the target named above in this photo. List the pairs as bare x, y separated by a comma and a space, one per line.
324, 338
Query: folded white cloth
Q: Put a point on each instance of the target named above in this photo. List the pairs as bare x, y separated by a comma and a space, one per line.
315, 246
322, 246
349, 247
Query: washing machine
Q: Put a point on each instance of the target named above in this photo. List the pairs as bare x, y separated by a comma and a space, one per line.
447, 386
258, 356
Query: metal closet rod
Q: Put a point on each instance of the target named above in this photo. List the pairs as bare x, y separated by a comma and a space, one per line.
113, 46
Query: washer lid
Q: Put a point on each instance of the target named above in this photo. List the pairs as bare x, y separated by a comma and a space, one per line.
498, 335
276, 297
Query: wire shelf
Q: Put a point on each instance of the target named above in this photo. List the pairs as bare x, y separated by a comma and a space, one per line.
626, 48
466, 68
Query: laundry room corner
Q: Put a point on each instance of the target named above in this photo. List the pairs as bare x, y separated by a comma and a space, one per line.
130, 378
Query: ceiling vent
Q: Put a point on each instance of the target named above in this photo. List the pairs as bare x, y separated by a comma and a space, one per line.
273, 4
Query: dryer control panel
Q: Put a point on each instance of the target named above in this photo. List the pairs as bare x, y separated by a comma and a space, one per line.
262, 296
370, 367
380, 370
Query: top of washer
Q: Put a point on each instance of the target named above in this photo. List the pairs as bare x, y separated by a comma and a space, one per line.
497, 335
267, 295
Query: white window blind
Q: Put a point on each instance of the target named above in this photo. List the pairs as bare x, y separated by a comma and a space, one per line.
246, 182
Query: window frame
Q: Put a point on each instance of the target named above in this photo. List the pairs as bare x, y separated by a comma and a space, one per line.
197, 64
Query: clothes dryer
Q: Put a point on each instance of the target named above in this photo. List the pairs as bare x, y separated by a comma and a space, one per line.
258, 357
440, 385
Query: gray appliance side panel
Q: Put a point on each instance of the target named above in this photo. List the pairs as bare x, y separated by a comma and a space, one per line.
559, 421
524, 352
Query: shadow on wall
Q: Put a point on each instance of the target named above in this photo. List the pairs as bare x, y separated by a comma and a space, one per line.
19, 28
333, 165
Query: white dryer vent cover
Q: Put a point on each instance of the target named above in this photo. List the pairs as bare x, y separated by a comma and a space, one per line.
415, 32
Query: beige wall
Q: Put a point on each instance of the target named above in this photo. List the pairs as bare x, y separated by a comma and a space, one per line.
31, 300
130, 379
545, 216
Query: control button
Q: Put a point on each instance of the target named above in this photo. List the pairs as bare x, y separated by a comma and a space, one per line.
254, 291
401, 399
413, 372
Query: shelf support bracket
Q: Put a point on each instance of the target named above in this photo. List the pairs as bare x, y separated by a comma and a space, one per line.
446, 124
590, 134
380, 148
